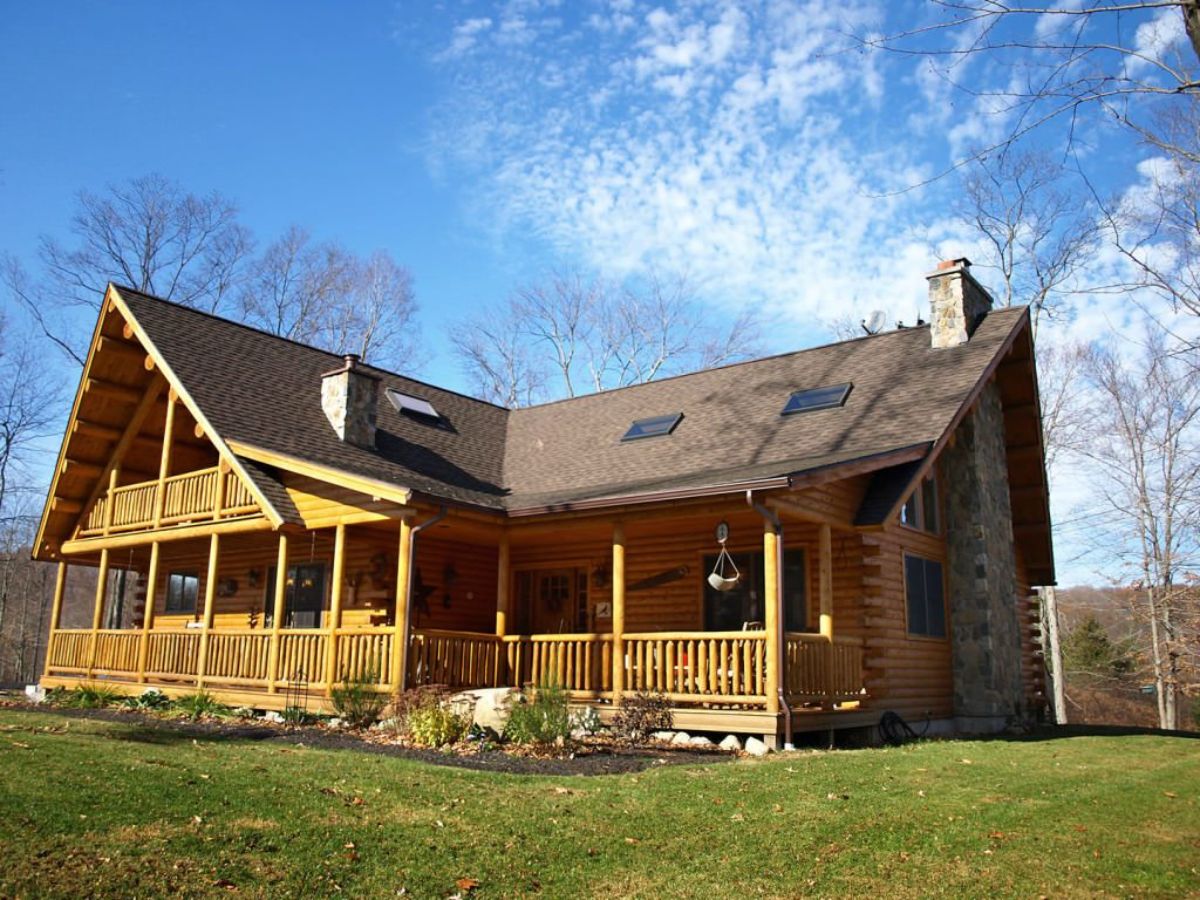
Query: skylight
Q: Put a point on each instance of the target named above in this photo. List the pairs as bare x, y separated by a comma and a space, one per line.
817, 398
655, 426
409, 403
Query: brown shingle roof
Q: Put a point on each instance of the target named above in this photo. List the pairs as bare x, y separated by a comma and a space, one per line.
263, 390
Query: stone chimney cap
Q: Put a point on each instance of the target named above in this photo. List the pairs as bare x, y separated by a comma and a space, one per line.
960, 262
352, 362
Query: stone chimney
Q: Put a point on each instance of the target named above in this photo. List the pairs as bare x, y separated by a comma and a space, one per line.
348, 396
957, 303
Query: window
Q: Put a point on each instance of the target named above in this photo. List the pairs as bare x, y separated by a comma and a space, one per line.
655, 426
921, 509
408, 403
925, 596
182, 588
730, 610
817, 398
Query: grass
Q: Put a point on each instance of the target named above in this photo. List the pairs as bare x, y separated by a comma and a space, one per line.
112, 809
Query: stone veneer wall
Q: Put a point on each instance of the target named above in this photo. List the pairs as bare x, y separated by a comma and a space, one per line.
981, 577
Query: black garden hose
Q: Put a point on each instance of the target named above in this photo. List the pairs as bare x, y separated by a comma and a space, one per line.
896, 732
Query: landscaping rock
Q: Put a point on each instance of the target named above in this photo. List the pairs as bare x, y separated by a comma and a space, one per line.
699, 741
681, 737
665, 736
336, 723
35, 693
272, 716
731, 743
755, 747
488, 707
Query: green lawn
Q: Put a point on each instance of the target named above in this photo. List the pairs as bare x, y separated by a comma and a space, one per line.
92, 808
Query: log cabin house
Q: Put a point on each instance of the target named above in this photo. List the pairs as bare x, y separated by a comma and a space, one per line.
286, 519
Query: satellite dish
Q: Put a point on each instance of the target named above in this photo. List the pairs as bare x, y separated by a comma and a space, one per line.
874, 323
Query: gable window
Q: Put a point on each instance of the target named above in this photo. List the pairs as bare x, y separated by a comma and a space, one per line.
744, 605
827, 397
654, 426
182, 589
925, 596
921, 509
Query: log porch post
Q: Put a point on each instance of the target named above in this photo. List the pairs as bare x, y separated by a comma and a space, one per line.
335, 605
60, 587
771, 572
164, 463
502, 604
400, 619
825, 590
279, 607
618, 612
210, 594
98, 611
148, 612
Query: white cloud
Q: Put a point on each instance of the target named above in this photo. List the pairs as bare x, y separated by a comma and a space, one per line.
465, 37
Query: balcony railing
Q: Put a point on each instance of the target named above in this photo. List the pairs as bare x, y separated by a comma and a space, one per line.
184, 498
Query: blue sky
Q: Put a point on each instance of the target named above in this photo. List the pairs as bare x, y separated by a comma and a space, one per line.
752, 145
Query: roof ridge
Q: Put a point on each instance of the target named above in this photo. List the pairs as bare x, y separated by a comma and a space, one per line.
124, 289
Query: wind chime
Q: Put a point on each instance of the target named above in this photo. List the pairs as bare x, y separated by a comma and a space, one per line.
725, 574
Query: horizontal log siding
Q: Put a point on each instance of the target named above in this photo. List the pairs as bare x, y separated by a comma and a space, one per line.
1033, 667
911, 675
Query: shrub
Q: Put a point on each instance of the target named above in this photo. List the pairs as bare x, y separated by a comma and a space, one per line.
200, 704
541, 720
427, 718
57, 696
151, 698
358, 701
642, 714
92, 696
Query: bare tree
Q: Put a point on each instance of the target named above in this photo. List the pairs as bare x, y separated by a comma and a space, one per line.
572, 329
1059, 63
28, 412
1145, 455
1039, 234
148, 233
495, 355
1065, 417
319, 293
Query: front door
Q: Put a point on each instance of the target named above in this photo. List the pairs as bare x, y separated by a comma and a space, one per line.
304, 597
552, 601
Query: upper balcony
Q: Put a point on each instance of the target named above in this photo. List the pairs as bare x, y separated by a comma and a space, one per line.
212, 494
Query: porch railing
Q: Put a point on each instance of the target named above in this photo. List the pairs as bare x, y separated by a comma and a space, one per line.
186, 497
723, 669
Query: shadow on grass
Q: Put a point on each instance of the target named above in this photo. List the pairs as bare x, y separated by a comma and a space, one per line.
185, 733
1057, 732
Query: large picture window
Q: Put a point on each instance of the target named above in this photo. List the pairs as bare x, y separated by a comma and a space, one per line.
926, 597
733, 610
182, 589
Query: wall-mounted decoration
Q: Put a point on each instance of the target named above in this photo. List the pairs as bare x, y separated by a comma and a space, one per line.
254, 578
600, 575
227, 587
604, 610
659, 580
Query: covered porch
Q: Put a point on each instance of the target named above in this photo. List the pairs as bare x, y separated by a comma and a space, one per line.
603, 608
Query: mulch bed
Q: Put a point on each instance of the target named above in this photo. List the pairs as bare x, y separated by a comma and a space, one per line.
588, 758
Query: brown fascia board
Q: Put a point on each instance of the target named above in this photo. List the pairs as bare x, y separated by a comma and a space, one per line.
689, 493
862, 465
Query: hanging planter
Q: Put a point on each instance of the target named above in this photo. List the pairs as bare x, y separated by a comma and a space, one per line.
725, 574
